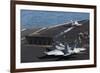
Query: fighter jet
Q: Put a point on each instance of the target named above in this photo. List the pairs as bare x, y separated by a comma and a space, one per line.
65, 50
75, 23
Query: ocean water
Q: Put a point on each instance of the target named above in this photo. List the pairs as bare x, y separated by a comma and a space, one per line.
39, 19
